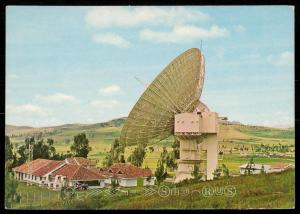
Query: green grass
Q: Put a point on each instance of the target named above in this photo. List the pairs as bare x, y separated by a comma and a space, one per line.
276, 190
101, 136
270, 133
36, 197
256, 191
233, 161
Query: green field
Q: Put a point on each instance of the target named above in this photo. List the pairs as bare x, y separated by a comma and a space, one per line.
255, 191
101, 135
267, 191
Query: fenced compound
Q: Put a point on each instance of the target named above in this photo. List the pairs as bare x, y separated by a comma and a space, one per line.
36, 199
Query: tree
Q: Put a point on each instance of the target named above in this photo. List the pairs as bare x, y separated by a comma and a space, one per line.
80, 147
151, 149
225, 170
176, 148
10, 156
262, 171
8, 149
170, 161
22, 155
114, 185
160, 172
217, 173
249, 169
138, 155
115, 154
11, 186
108, 161
42, 150
196, 172
122, 159
117, 150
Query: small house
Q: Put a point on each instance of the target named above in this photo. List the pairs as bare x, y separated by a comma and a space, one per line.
71, 174
37, 171
128, 175
254, 168
279, 167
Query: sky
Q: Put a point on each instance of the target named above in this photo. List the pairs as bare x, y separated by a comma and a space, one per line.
80, 64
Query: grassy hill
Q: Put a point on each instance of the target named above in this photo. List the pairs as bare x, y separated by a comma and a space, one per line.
275, 190
101, 135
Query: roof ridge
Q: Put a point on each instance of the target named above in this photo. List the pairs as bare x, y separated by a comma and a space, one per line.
75, 171
76, 161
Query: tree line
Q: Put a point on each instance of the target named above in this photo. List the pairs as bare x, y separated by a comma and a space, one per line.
43, 148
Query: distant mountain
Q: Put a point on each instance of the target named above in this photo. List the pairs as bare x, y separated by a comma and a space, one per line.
12, 129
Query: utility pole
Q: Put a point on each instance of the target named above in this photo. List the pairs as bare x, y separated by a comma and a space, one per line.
30, 158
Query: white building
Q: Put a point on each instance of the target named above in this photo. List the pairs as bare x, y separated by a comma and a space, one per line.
37, 171
280, 167
268, 168
54, 174
127, 175
71, 174
254, 168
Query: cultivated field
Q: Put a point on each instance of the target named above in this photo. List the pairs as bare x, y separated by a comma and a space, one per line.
101, 136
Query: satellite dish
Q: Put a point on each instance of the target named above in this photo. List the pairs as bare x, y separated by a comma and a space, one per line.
171, 105
175, 90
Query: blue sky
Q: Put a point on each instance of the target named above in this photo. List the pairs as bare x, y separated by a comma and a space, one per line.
78, 64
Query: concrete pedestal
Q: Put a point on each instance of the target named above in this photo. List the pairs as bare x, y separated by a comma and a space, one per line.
197, 151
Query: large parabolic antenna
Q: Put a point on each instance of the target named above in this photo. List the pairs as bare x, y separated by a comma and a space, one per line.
175, 90
170, 106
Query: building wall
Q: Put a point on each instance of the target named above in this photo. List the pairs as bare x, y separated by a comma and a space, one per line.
128, 182
255, 171
107, 180
210, 144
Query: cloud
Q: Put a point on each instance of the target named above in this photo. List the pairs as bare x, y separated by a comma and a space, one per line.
104, 103
111, 39
239, 28
181, 34
110, 90
283, 59
113, 16
56, 98
26, 109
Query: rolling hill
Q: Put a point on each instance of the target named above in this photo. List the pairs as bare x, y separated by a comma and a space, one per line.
101, 135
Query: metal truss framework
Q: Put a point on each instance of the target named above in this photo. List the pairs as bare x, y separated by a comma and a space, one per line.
176, 89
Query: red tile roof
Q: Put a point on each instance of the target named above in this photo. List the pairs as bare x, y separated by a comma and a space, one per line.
280, 165
38, 167
78, 172
123, 170
48, 168
80, 161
